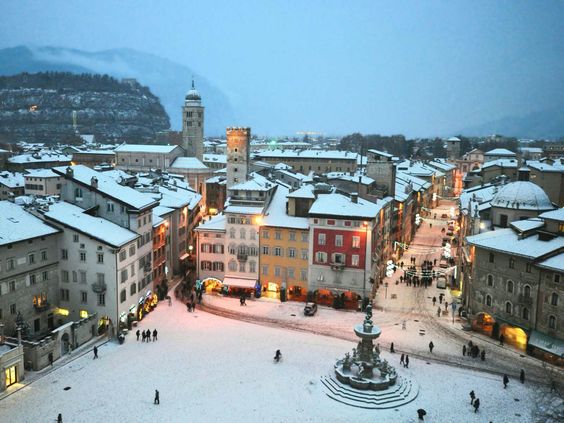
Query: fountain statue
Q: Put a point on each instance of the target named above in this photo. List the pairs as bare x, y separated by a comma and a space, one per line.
364, 369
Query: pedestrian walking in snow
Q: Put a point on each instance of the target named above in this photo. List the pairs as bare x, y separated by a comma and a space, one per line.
476, 405
431, 346
401, 264
501, 339
464, 350
148, 335
60, 418
51, 359
402, 359
522, 376
403, 325
155, 335
439, 312
143, 336
440, 298
505, 381
483, 355
435, 262
430, 225
434, 301
406, 361
138, 333
446, 305
95, 352
157, 400
421, 413
472, 397
277, 356
392, 348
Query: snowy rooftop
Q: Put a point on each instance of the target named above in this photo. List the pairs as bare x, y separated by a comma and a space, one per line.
499, 152
509, 163
522, 195
554, 215
96, 227
276, 214
16, 224
217, 158
296, 175
41, 173
545, 167
187, 163
12, 180
215, 223
341, 205
527, 225
418, 169
553, 263
176, 198
108, 186
243, 209
343, 176
254, 184
145, 148
417, 183
508, 241
381, 153
442, 165
41, 157
161, 211
453, 139
532, 150
310, 154
305, 191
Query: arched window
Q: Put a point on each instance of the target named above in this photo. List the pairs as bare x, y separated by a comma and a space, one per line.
232, 249
242, 249
232, 233
527, 291
525, 313
551, 322
242, 266
232, 266
243, 233
252, 234
489, 300
508, 308
510, 286
490, 280
252, 266
554, 299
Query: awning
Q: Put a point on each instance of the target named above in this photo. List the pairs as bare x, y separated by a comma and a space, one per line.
240, 283
547, 343
184, 256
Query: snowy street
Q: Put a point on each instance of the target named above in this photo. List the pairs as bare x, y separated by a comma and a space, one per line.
211, 369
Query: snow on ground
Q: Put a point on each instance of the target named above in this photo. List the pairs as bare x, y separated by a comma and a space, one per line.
211, 369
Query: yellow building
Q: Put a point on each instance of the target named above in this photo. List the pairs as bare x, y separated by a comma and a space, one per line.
284, 244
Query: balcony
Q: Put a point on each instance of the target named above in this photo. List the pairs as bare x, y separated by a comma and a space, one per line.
525, 299
41, 306
242, 257
337, 266
99, 288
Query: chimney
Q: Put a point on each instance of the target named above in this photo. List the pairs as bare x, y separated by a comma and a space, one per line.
70, 172
354, 197
94, 182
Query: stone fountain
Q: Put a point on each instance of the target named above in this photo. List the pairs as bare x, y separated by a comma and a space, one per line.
364, 369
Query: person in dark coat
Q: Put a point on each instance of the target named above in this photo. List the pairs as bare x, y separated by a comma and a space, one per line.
51, 359
431, 346
505, 381
421, 413
476, 405
392, 348
148, 335
501, 339
155, 335
277, 356
522, 376
472, 397
60, 418
402, 359
138, 333
157, 400
406, 361
434, 301
144, 336
464, 350
483, 355
439, 312
95, 352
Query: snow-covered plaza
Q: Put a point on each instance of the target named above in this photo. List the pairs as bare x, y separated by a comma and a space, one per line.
212, 369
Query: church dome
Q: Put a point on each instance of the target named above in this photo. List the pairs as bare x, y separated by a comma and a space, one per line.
522, 195
193, 94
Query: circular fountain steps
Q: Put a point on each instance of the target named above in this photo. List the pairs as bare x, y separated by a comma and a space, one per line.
403, 392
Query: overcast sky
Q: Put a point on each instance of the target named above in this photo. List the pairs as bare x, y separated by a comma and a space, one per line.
412, 67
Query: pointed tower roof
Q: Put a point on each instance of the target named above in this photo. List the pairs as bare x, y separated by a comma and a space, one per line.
193, 94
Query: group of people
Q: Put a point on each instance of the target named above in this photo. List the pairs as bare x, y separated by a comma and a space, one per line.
404, 360
474, 401
146, 335
473, 351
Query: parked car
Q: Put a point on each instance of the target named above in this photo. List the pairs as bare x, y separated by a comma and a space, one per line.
441, 282
310, 309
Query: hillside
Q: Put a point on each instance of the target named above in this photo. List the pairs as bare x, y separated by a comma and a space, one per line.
40, 107
167, 80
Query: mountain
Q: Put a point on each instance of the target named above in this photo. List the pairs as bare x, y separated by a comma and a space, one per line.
45, 106
167, 80
547, 124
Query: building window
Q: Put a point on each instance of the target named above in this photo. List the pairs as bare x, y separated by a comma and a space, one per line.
508, 307
252, 235
511, 263
206, 265
100, 278
277, 271
491, 258
355, 260
242, 267
83, 297
321, 239
291, 273
321, 257
556, 278
110, 207
278, 251
102, 299
339, 258
82, 276
265, 270
232, 266
45, 276
122, 255
65, 293
265, 234
218, 248
232, 233
304, 254
525, 313
122, 296
292, 252
12, 309
74, 276
338, 240
131, 250
82, 256
132, 289
44, 255
123, 275
64, 254
10, 264
554, 299
303, 274
252, 266
277, 235
100, 257
356, 242
330, 222
75, 238
490, 280
528, 268
292, 236
527, 291
347, 223
489, 300
551, 322
218, 266
78, 194
31, 258
510, 287
243, 233
305, 237
32, 279
265, 250
64, 275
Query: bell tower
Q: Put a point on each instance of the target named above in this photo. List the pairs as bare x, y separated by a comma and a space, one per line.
193, 124
238, 155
